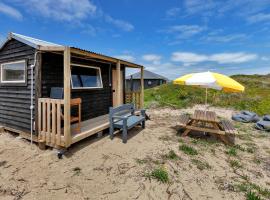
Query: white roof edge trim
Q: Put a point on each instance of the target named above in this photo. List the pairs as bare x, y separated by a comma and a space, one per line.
33, 42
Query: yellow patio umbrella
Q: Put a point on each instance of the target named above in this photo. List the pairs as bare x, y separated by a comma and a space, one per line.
210, 80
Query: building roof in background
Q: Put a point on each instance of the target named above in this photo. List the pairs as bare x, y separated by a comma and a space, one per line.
147, 75
38, 44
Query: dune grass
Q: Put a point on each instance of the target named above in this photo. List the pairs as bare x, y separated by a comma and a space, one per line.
255, 98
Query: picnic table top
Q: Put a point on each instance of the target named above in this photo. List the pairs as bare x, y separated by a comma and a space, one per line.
205, 115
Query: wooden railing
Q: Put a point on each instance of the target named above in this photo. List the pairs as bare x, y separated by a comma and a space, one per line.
49, 121
134, 97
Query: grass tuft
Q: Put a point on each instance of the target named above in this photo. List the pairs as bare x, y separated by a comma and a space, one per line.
252, 196
140, 161
231, 151
201, 165
188, 150
159, 174
235, 164
172, 155
248, 186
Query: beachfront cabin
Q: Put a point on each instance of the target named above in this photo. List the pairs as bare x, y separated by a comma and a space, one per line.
58, 95
151, 79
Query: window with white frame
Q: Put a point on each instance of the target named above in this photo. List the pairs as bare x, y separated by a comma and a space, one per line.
13, 72
85, 77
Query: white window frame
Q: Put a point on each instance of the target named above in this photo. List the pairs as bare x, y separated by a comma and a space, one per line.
87, 66
13, 62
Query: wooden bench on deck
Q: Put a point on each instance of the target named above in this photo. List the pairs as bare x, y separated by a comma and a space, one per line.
123, 117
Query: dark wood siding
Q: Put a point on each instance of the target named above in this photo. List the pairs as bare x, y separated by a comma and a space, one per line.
95, 102
15, 99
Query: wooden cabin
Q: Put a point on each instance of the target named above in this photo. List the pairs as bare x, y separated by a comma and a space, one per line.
32, 70
151, 79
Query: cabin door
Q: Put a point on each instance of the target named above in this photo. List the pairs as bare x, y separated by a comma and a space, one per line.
114, 87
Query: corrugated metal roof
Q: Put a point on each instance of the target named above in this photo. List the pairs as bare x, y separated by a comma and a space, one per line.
147, 75
36, 43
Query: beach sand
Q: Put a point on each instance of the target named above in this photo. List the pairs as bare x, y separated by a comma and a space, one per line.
100, 168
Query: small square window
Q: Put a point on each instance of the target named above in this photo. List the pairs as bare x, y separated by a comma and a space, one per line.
13, 72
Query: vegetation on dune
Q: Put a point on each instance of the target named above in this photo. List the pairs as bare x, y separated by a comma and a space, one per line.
255, 98
159, 174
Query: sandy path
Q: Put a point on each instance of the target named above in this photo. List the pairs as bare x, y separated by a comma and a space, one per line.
105, 169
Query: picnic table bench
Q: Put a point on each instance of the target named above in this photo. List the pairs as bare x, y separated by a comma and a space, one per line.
124, 118
208, 122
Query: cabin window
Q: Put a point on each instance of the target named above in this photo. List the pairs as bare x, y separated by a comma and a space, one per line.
85, 77
13, 72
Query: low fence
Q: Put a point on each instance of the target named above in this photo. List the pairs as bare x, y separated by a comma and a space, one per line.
49, 121
134, 97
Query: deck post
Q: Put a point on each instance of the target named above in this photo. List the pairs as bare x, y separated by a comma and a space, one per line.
67, 96
118, 86
142, 89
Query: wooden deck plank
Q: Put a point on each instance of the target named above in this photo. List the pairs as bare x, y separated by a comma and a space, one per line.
90, 127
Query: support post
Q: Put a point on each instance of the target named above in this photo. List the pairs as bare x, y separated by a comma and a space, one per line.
142, 88
118, 86
67, 96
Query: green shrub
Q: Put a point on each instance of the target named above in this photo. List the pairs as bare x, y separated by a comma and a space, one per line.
252, 196
231, 151
171, 155
159, 174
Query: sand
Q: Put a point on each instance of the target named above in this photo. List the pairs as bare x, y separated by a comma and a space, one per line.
100, 168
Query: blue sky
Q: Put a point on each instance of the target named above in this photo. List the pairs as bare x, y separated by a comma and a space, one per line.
168, 37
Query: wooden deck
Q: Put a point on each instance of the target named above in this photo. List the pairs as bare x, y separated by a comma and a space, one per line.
89, 127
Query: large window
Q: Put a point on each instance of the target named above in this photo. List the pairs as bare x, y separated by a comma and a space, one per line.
13, 72
85, 77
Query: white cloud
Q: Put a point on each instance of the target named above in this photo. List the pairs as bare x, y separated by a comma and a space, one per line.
153, 58
241, 8
185, 31
123, 25
126, 57
10, 11
189, 58
73, 12
260, 17
225, 38
62, 10
173, 12
239, 57
199, 6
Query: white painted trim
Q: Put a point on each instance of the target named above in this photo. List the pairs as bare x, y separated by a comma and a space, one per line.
13, 62
87, 66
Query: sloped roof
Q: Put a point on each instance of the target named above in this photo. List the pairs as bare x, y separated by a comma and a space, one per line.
33, 42
147, 75
49, 46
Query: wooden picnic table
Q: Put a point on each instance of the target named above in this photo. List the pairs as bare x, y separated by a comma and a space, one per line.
207, 122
